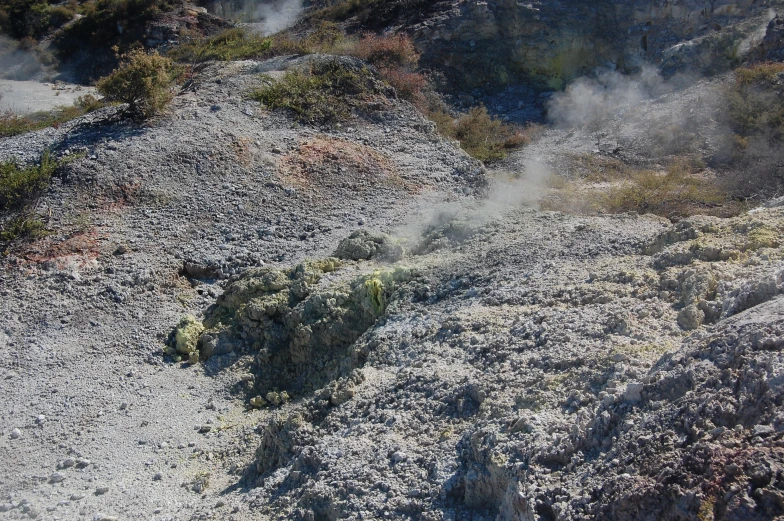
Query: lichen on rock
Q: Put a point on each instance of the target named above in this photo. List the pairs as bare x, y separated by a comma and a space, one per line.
301, 327
186, 335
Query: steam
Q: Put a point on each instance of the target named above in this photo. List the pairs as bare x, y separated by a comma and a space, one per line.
512, 189
17, 63
590, 102
277, 16
628, 112
440, 224
267, 16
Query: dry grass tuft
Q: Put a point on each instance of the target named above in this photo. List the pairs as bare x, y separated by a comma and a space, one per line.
481, 135
684, 187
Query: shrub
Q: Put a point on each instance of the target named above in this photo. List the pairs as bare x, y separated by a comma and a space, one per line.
386, 52
396, 59
755, 113
60, 15
759, 73
88, 103
674, 193
239, 44
756, 104
18, 184
484, 137
142, 80
409, 85
324, 93
22, 226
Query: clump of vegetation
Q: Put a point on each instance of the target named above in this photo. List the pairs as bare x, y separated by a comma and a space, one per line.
323, 93
396, 59
142, 80
756, 103
20, 184
240, 44
480, 134
25, 225
12, 124
671, 193
19, 188
755, 113
231, 44
683, 188
386, 52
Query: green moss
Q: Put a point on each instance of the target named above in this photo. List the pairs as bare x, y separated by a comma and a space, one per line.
187, 334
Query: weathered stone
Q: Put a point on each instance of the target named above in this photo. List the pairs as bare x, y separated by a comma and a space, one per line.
691, 317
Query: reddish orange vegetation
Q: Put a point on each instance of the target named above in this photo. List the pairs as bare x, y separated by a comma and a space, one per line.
336, 163
396, 59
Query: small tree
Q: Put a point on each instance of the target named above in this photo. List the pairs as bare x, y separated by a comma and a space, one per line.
142, 80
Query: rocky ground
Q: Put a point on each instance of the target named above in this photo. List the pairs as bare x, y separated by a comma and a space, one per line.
148, 224
468, 357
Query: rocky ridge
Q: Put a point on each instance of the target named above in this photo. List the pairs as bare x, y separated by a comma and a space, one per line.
543, 44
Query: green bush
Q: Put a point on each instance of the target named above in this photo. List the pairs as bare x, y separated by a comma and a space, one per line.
481, 135
323, 93
20, 184
142, 80
60, 15
388, 51
22, 226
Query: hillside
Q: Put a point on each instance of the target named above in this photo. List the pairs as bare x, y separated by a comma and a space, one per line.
293, 294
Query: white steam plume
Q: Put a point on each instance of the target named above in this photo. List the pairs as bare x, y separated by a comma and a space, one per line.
276, 16
590, 101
